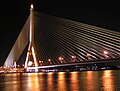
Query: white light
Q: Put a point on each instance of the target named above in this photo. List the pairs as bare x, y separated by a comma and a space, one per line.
60, 58
73, 57
30, 63
105, 52
31, 6
49, 60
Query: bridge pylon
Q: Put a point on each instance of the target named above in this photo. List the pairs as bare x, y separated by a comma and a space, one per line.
31, 58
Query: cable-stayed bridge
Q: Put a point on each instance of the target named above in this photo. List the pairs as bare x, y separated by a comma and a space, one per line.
60, 40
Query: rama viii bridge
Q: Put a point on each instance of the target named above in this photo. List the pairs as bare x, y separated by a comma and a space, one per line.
50, 40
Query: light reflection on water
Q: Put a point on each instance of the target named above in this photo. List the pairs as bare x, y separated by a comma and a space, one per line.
90, 80
108, 80
61, 81
50, 81
74, 86
32, 82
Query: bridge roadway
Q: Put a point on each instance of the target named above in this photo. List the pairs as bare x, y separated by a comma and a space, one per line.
110, 62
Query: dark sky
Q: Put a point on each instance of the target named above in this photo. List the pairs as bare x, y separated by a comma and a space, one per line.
14, 13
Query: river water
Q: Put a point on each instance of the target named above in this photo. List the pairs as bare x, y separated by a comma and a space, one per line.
108, 80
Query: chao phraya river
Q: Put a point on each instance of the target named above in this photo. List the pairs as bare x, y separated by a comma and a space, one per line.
107, 80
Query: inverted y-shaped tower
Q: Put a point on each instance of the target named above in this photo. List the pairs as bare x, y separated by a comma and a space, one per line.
32, 53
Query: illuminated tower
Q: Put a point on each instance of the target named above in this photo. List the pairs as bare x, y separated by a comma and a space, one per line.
31, 58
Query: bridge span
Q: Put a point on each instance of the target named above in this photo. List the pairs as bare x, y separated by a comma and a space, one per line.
89, 65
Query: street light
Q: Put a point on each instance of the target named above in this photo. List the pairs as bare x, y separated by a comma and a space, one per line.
30, 63
60, 59
18, 65
40, 62
88, 56
49, 60
105, 53
73, 58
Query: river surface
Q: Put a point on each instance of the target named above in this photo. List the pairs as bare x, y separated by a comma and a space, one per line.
108, 80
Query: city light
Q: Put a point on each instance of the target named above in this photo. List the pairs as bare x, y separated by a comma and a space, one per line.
31, 6
40, 62
88, 56
105, 52
49, 60
73, 57
60, 59
30, 63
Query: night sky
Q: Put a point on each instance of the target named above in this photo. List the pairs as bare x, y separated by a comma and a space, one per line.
14, 13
